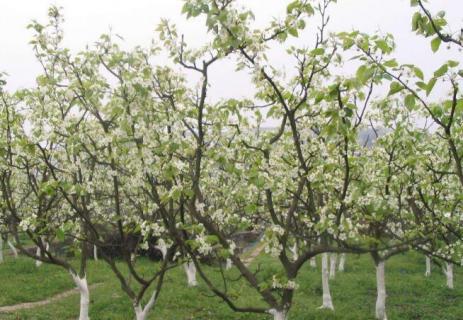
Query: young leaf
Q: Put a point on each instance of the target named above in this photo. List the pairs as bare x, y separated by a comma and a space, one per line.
394, 88
435, 44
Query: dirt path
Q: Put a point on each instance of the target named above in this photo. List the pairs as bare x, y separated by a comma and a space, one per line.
55, 298
253, 253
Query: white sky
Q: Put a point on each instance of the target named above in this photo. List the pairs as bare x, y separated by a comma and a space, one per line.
136, 20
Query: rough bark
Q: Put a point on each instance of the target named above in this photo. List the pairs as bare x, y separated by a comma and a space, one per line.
381, 289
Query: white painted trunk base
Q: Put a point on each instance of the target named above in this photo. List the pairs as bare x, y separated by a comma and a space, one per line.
38, 253
313, 262
82, 286
1, 250
342, 262
13, 249
327, 301
381, 289
333, 260
228, 264
95, 253
428, 267
449, 275
142, 313
190, 270
294, 252
161, 246
278, 314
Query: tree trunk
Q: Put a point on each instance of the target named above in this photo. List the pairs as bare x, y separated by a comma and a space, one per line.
95, 253
142, 313
278, 314
82, 285
428, 267
38, 253
449, 275
190, 270
1, 249
294, 251
12, 247
327, 301
161, 246
333, 260
313, 262
342, 262
381, 289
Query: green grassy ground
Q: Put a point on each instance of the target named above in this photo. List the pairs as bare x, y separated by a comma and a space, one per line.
410, 294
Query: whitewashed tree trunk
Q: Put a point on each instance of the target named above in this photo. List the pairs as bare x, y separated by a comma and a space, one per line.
449, 275
313, 262
38, 253
228, 264
294, 252
12, 247
161, 246
142, 313
327, 301
1, 250
381, 289
333, 260
278, 314
95, 253
190, 270
428, 267
82, 286
342, 262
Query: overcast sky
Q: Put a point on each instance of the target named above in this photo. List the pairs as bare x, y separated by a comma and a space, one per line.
135, 20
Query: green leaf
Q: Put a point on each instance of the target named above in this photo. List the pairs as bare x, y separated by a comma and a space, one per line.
391, 63
430, 86
410, 101
441, 71
382, 44
415, 21
418, 73
435, 44
293, 5
60, 234
364, 74
394, 88
293, 32
318, 51
422, 85
453, 63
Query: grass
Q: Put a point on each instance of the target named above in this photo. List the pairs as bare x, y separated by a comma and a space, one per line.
410, 294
